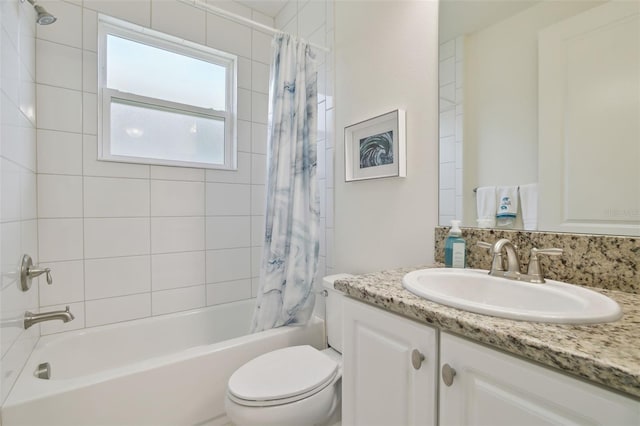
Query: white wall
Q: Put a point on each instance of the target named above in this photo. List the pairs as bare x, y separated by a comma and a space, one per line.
126, 241
386, 57
18, 227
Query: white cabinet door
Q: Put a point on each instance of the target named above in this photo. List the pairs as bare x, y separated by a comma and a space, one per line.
493, 388
380, 384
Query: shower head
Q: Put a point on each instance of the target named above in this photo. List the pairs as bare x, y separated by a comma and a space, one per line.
44, 17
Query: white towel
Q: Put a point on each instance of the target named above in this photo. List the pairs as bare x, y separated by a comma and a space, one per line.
529, 200
486, 206
507, 204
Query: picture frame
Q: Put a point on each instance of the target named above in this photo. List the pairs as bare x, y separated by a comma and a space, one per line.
376, 148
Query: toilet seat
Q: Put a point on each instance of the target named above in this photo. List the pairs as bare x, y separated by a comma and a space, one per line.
282, 376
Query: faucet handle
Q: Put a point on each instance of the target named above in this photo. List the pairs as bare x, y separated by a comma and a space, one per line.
535, 268
36, 272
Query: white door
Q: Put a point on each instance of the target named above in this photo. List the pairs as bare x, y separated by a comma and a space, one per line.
496, 389
589, 122
381, 385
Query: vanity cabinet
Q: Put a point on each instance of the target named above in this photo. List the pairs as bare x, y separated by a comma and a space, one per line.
386, 381
493, 388
470, 384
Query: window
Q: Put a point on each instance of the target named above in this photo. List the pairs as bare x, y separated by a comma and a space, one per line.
164, 100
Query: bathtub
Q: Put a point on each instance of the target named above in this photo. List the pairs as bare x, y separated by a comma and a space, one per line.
166, 370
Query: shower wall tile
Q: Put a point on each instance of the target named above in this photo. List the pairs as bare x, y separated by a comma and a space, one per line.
244, 136
177, 173
177, 270
258, 169
176, 198
228, 199
257, 230
177, 234
244, 104
60, 239
228, 36
311, 17
138, 12
89, 113
244, 73
259, 138
116, 237
70, 275
228, 265
59, 152
117, 276
181, 299
256, 261
261, 47
232, 6
117, 309
259, 107
115, 197
229, 291
169, 16
59, 65
59, 196
18, 182
260, 77
258, 199
89, 30
228, 232
59, 109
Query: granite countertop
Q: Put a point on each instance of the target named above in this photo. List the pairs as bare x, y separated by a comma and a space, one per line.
608, 354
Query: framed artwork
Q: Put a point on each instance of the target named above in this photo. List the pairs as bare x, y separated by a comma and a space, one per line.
375, 148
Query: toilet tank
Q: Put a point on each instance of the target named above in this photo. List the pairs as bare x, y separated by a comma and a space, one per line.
333, 313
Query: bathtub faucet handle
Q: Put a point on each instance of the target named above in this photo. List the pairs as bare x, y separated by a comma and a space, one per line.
36, 272
29, 271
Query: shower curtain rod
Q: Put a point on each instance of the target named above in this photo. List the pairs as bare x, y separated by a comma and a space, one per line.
240, 19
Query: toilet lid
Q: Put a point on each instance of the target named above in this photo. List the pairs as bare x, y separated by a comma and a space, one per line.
283, 374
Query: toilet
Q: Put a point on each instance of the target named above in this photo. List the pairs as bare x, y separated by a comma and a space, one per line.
297, 385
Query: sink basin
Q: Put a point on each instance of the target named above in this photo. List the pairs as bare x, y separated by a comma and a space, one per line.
476, 291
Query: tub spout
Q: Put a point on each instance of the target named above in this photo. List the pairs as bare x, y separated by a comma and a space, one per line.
30, 318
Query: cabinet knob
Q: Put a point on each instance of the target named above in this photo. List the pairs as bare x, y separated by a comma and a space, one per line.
448, 374
416, 359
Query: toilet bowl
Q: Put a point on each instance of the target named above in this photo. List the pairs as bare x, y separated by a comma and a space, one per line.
297, 385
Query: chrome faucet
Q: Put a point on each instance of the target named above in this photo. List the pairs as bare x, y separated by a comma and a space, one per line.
30, 318
534, 273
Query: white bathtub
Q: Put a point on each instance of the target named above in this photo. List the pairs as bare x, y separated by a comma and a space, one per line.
167, 370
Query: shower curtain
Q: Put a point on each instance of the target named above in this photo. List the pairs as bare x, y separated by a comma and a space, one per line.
291, 243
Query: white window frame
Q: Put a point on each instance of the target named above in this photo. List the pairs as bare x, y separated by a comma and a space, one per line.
111, 26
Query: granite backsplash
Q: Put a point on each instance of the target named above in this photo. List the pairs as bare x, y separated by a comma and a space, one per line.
603, 261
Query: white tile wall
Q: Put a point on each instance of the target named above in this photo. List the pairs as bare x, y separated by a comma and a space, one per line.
18, 197
134, 240
177, 270
451, 131
117, 276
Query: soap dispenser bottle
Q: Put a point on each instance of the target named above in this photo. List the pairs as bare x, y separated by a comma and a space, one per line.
455, 247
